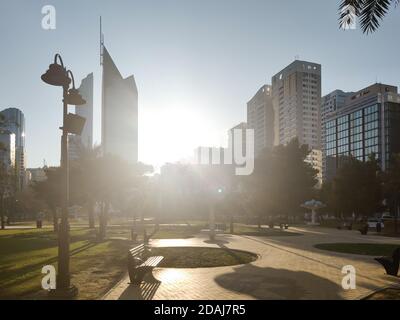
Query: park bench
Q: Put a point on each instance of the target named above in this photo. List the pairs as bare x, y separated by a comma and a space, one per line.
140, 263
391, 264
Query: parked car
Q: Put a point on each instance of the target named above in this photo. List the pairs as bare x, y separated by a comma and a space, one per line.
387, 216
372, 223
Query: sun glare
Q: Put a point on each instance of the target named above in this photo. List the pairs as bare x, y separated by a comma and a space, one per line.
171, 134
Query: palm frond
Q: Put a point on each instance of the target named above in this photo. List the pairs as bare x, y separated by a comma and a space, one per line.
372, 13
348, 10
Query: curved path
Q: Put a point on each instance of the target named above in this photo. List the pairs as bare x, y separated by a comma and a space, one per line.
289, 267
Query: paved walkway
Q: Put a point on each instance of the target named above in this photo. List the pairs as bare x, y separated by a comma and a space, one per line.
289, 267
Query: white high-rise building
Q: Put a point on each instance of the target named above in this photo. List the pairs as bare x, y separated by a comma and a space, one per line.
119, 112
296, 92
260, 118
86, 111
76, 143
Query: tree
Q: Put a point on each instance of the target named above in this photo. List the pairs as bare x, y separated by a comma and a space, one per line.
391, 185
370, 12
49, 191
357, 187
28, 204
112, 177
282, 180
83, 180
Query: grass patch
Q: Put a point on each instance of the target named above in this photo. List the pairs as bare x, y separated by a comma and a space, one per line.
95, 266
263, 232
197, 257
369, 249
164, 232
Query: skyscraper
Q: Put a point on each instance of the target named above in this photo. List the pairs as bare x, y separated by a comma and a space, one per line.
368, 123
119, 112
260, 118
86, 111
296, 93
76, 143
241, 145
330, 104
7, 150
14, 121
296, 98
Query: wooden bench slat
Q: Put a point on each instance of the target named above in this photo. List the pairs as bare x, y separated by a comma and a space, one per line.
137, 250
152, 261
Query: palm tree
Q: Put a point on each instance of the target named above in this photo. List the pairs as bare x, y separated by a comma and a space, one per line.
370, 12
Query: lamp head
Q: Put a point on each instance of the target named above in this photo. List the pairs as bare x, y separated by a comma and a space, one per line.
74, 97
57, 75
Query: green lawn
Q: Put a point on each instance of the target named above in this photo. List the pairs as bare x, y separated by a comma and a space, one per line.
369, 249
197, 257
245, 230
164, 232
95, 266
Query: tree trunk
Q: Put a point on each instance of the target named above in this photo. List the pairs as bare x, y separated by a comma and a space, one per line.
3, 223
103, 220
232, 226
90, 208
55, 219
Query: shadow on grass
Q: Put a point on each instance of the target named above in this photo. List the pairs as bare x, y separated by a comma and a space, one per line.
202, 257
30, 241
21, 274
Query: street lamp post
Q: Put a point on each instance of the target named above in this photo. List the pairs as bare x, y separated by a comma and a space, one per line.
57, 75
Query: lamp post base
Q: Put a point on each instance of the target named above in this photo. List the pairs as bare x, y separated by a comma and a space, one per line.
64, 293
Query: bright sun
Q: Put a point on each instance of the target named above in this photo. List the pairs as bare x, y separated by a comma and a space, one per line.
170, 135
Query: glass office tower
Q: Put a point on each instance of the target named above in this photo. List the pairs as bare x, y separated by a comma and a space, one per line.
368, 124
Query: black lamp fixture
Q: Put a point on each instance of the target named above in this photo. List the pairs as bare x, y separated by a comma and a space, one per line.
74, 97
57, 75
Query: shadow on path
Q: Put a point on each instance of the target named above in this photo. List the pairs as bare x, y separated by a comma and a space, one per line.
270, 283
145, 291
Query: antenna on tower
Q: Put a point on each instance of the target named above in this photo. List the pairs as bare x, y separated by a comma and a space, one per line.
101, 43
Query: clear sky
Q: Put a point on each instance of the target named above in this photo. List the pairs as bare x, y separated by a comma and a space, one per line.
196, 63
